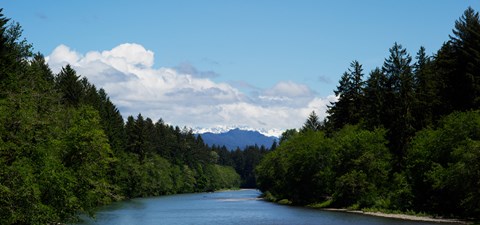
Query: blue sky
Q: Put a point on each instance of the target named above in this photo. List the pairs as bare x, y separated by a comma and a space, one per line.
282, 57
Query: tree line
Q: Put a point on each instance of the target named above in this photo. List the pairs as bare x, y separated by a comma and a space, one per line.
404, 139
244, 161
65, 148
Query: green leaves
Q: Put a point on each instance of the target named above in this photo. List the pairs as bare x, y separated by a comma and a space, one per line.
352, 167
431, 170
363, 166
63, 145
85, 152
444, 164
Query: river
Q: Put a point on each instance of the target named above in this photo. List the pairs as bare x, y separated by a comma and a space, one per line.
229, 207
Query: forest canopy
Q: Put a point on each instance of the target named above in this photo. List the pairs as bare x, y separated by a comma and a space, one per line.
403, 139
65, 149
406, 138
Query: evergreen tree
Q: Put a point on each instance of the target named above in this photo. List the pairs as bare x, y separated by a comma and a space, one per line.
400, 97
458, 63
312, 123
14, 54
163, 140
224, 156
374, 107
356, 71
426, 91
68, 83
274, 145
22, 50
350, 93
3, 38
57, 134
112, 122
136, 136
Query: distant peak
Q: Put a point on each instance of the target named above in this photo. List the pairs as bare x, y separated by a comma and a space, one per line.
224, 129
238, 138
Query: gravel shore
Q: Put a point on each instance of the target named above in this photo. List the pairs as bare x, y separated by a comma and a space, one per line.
401, 216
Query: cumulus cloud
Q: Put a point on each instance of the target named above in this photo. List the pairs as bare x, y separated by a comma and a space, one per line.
62, 55
289, 89
287, 93
185, 96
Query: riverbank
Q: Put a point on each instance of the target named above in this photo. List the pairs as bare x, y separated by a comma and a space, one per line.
400, 216
269, 197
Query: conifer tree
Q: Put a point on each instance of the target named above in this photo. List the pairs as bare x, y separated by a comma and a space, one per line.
399, 99
373, 109
3, 38
68, 83
426, 90
458, 63
312, 123
350, 94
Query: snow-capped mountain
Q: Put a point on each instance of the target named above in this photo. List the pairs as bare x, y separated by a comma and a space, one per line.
224, 129
237, 138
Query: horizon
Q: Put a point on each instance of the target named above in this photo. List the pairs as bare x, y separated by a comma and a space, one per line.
259, 65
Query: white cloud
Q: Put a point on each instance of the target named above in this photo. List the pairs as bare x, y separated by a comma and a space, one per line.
289, 89
183, 96
319, 105
62, 55
286, 93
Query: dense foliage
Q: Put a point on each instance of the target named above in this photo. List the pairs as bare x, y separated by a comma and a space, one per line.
310, 167
244, 161
406, 138
65, 149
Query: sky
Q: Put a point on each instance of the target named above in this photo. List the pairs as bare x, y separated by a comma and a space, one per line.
259, 64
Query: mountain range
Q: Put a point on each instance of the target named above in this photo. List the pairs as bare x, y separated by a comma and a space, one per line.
224, 129
238, 138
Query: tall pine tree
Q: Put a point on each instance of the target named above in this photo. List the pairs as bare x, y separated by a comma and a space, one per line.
68, 83
312, 123
374, 107
458, 63
400, 97
347, 110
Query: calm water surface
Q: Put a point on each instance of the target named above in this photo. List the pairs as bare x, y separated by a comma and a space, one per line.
230, 207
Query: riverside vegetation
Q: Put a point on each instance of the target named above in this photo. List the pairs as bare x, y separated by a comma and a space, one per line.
65, 149
407, 139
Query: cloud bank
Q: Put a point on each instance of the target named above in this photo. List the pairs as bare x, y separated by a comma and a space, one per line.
185, 96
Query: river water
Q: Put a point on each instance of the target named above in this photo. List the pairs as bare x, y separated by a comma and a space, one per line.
229, 207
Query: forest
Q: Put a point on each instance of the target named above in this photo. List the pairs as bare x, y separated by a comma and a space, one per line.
65, 149
406, 139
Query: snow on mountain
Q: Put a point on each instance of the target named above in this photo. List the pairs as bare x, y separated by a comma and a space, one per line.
237, 137
224, 129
